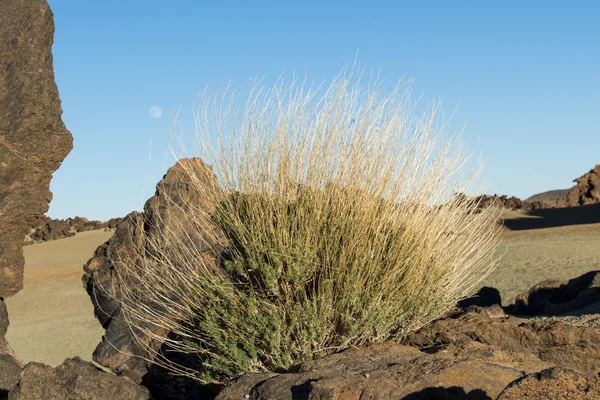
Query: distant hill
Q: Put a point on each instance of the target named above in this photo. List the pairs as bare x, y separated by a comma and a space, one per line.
550, 195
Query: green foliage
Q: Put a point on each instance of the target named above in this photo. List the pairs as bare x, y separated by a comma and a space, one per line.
285, 298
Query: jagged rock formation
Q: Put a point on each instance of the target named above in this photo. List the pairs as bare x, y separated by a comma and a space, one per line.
45, 228
511, 203
33, 143
164, 212
73, 379
586, 191
33, 138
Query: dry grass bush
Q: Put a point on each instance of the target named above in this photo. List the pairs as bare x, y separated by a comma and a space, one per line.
334, 223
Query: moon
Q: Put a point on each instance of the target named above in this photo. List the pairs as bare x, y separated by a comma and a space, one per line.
155, 112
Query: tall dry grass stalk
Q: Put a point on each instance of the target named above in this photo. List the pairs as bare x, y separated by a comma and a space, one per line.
334, 221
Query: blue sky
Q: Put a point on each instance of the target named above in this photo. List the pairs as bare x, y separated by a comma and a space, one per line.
524, 75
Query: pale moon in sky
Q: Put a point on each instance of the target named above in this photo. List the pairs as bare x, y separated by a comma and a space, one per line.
155, 112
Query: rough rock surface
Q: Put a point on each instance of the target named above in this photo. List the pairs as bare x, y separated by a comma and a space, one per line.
45, 228
555, 297
33, 138
10, 369
166, 210
553, 383
393, 371
567, 346
511, 203
73, 379
586, 191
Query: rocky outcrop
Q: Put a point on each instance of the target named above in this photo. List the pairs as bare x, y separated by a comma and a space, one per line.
510, 203
586, 191
478, 354
165, 212
553, 383
393, 371
45, 229
33, 138
73, 379
556, 297
562, 345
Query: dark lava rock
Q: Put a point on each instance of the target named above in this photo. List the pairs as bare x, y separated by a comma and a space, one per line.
45, 229
166, 211
555, 297
562, 345
392, 371
73, 379
553, 383
33, 138
10, 369
586, 191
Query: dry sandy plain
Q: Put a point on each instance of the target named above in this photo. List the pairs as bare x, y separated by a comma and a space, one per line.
545, 244
52, 317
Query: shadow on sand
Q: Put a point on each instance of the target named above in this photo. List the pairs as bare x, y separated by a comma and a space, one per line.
554, 217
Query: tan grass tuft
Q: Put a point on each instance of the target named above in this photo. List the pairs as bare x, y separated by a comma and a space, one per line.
335, 222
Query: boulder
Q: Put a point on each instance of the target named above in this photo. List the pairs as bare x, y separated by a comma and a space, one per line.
164, 213
553, 383
10, 369
73, 379
562, 345
392, 371
586, 190
33, 138
556, 297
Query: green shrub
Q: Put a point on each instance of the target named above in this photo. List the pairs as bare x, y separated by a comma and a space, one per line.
336, 229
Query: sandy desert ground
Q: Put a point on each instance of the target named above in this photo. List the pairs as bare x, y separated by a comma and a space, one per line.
545, 245
52, 318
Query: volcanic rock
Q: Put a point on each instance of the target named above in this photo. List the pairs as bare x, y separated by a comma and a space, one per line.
555, 297
510, 203
45, 229
165, 212
553, 383
33, 138
73, 379
559, 344
586, 191
10, 369
393, 371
